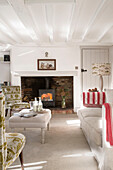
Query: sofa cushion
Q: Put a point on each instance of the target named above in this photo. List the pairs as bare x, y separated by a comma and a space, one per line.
94, 128
93, 99
90, 112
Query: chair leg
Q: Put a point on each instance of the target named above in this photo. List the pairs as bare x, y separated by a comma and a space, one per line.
10, 112
6, 112
42, 135
21, 160
48, 126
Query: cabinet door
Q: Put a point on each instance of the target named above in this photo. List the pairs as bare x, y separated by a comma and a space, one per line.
90, 56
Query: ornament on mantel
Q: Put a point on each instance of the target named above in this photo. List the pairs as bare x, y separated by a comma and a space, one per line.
46, 54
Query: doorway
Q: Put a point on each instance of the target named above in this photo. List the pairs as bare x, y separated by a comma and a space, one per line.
88, 57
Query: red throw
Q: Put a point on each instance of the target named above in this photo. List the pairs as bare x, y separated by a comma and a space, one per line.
109, 133
103, 97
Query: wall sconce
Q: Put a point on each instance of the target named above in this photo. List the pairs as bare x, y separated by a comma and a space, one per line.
46, 54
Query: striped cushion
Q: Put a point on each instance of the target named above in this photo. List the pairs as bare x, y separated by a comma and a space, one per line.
93, 99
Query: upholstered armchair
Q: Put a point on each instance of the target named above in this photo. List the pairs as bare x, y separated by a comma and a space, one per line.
13, 100
11, 144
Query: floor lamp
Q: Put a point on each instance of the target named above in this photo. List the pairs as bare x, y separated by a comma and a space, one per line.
101, 69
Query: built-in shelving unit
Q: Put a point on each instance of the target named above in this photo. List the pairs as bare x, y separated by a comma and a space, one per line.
4, 67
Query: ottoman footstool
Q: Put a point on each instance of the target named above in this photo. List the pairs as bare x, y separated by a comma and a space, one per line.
41, 120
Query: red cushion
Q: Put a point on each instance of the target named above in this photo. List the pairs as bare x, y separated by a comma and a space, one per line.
93, 99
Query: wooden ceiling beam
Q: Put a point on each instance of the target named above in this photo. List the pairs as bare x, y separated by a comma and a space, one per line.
74, 19
71, 24
8, 38
5, 28
49, 1
49, 15
25, 17
100, 6
105, 32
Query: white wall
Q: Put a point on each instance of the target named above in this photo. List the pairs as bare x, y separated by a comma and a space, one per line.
25, 59
4, 68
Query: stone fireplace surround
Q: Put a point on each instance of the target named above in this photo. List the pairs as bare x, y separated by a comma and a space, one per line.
30, 87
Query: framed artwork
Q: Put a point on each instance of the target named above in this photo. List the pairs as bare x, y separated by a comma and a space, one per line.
46, 64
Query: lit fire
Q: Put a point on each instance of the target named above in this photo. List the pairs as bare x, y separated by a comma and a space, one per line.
47, 96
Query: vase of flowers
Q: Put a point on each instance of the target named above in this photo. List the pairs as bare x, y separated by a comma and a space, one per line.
64, 94
63, 102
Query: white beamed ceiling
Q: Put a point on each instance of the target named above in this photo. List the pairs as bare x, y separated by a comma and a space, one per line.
56, 22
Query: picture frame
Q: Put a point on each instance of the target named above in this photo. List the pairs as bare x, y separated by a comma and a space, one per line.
46, 64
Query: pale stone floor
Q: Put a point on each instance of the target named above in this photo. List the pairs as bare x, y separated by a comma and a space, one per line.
65, 149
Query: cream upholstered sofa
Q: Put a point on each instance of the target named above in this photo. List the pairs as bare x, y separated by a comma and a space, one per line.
13, 100
11, 144
93, 124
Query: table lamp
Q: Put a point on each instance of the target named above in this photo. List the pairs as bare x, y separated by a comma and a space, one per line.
101, 69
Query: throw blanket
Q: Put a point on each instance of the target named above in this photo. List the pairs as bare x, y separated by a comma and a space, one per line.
109, 122
93, 98
26, 113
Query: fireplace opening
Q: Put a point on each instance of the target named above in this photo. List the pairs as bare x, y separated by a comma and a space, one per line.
47, 97
49, 89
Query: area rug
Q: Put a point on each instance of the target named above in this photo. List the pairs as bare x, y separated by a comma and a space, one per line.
65, 149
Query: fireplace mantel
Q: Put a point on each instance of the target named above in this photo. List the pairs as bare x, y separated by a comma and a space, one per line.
45, 73
17, 75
